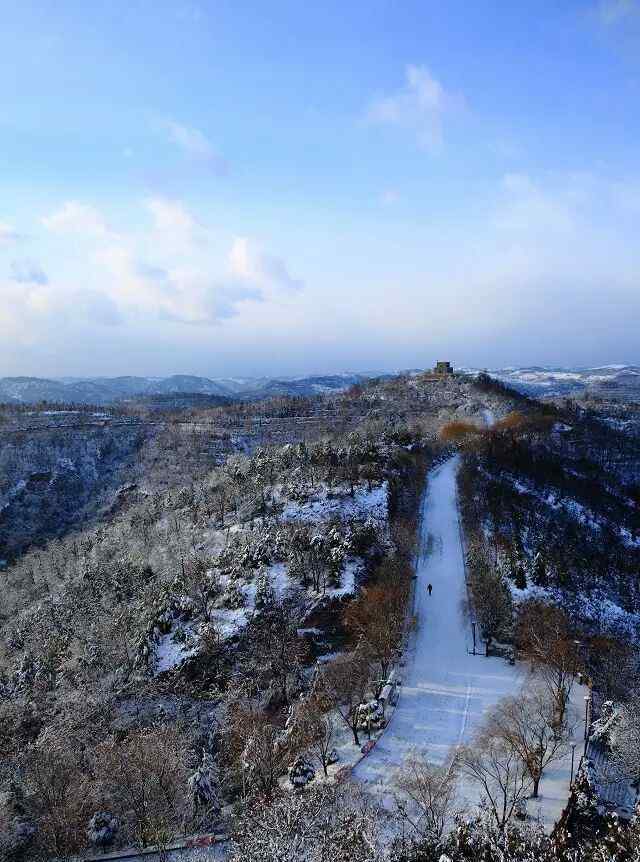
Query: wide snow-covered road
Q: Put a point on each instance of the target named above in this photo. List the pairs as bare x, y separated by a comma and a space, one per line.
445, 690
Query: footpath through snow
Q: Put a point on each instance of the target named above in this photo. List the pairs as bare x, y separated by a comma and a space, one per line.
446, 690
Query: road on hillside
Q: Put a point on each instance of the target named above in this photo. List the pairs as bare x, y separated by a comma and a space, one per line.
445, 690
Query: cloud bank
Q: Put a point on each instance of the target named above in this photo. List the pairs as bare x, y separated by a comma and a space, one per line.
418, 107
165, 272
545, 264
8, 235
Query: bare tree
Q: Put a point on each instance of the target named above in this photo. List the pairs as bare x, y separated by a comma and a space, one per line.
432, 791
114, 640
214, 649
324, 824
309, 558
315, 729
60, 797
613, 661
145, 775
276, 651
265, 756
200, 584
498, 769
529, 724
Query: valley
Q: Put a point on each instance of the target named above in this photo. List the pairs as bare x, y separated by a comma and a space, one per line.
226, 592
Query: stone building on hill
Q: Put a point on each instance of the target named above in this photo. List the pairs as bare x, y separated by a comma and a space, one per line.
443, 368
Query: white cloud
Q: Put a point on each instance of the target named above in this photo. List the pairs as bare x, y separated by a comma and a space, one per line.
250, 264
28, 272
241, 260
418, 106
540, 267
7, 234
177, 226
182, 294
96, 307
194, 144
192, 141
168, 272
23, 307
175, 270
74, 217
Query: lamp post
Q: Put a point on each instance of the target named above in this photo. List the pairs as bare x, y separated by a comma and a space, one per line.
573, 754
587, 711
473, 628
576, 656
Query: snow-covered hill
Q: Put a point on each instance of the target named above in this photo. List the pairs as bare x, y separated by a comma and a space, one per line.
607, 381
105, 390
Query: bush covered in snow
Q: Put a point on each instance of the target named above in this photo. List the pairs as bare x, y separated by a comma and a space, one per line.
203, 784
102, 829
604, 726
370, 716
301, 772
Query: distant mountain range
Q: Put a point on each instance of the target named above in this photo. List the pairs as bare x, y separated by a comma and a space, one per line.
107, 390
621, 382
608, 381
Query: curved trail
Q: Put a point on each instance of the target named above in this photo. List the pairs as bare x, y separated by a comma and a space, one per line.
446, 690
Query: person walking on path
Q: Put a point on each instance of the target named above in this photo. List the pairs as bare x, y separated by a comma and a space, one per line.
429, 588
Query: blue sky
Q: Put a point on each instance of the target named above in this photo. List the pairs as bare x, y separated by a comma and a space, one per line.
259, 188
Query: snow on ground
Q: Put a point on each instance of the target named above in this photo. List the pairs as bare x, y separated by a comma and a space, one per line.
489, 417
554, 786
168, 653
352, 568
594, 606
277, 574
231, 621
363, 504
218, 851
18, 488
630, 540
572, 508
447, 690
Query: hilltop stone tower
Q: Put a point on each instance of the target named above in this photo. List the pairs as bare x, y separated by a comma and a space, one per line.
443, 369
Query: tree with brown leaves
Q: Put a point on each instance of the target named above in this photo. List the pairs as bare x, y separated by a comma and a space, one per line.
344, 683
544, 637
375, 620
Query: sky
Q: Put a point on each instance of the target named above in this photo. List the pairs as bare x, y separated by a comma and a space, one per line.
254, 188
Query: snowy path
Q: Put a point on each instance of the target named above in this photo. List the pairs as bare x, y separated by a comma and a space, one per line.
446, 690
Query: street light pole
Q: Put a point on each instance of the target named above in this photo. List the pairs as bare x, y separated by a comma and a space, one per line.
576, 655
587, 710
573, 754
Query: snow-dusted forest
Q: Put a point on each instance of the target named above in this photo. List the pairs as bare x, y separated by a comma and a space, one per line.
218, 622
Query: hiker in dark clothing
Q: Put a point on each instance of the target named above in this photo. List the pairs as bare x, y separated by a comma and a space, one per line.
429, 588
